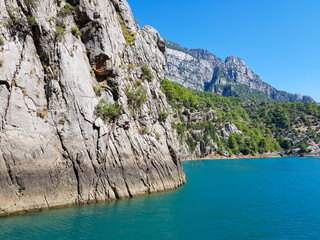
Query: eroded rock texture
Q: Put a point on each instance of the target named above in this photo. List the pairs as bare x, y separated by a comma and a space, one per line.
53, 148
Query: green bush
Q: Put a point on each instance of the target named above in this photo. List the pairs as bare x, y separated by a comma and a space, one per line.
221, 152
97, 90
108, 111
232, 142
1, 63
146, 73
125, 31
163, 114
191, 144
31, 21
303, 148
136, 95
286, 144
245, 150
31, 3
15, 15
131, 66
138, 82
60, 31
144, 130
75, 31
158, 136
66, 10
1, 41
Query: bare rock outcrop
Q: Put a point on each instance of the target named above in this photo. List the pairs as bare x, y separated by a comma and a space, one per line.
200, 70
58, 61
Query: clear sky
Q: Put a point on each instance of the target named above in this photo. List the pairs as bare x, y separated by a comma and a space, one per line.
278, 39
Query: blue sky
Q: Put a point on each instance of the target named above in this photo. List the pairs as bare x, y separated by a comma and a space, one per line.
278, 39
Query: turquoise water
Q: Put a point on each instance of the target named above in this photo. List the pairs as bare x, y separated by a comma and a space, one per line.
226, 199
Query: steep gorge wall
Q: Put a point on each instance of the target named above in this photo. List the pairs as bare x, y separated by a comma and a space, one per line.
53, 149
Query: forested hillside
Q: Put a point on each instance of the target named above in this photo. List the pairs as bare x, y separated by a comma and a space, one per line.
210, 124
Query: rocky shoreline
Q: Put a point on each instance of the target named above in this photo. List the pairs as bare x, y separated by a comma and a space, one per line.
273, 155
43, 209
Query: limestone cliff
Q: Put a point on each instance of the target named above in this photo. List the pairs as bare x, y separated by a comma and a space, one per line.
58, 60
200, 70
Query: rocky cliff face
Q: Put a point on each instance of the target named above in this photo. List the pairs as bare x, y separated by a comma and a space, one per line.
54, 149
200, 70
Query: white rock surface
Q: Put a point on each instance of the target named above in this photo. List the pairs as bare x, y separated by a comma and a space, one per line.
53, 149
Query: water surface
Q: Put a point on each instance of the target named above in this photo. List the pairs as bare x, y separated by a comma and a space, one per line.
275, 198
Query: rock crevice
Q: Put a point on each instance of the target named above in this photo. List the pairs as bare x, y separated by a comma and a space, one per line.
54, 149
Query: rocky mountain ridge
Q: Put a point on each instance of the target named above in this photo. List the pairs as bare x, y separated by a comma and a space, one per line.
198, 69
80, 105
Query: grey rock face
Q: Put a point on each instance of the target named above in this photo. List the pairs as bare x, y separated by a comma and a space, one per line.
53, 149
205, 146
200, 70
314, 148
232, 128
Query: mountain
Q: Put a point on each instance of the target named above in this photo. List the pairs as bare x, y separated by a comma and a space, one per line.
81, 108
200, 70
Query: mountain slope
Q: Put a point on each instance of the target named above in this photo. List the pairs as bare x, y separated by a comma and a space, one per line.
209, 125
80, 105
200, 70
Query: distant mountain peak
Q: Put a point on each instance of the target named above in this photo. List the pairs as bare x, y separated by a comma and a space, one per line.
201, 70
234, 59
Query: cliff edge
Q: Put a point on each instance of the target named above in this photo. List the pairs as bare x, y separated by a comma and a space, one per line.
81, 110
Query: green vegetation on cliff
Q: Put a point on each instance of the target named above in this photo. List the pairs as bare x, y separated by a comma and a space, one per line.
258, 127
